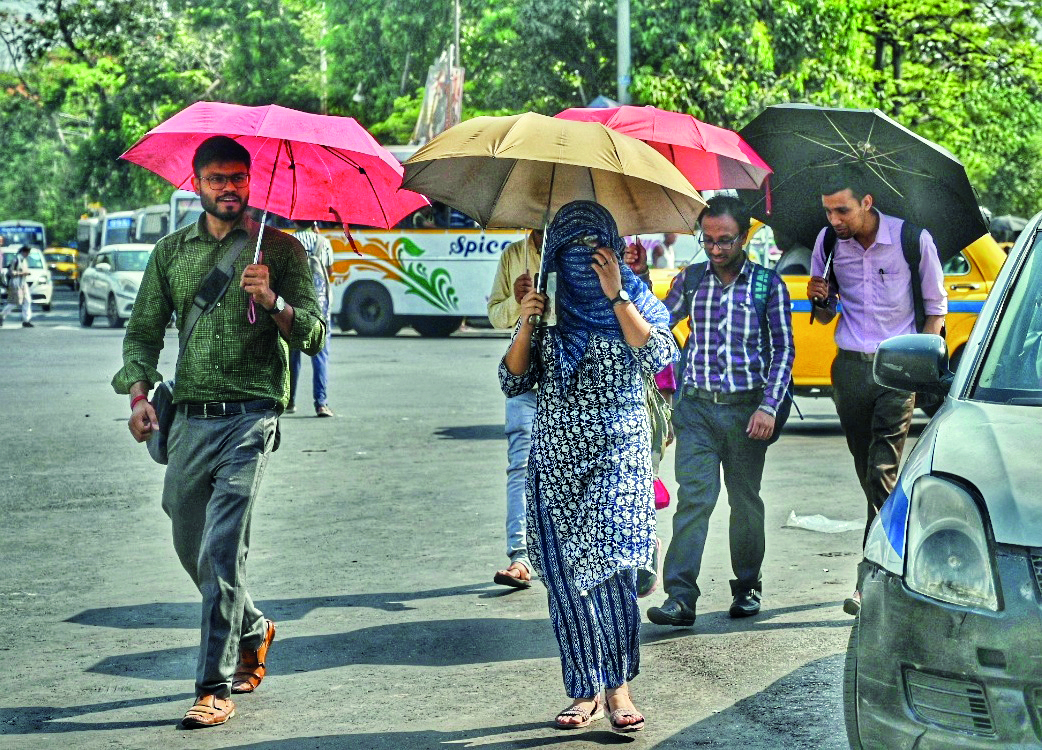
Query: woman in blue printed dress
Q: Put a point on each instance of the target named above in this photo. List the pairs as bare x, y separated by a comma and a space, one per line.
589, 491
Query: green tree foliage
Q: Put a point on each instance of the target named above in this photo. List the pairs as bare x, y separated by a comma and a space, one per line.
88, 78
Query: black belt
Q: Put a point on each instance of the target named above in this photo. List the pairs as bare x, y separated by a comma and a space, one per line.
856, 356
211, 409
718, 397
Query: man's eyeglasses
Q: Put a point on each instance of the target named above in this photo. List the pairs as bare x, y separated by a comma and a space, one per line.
219, 181
725, 244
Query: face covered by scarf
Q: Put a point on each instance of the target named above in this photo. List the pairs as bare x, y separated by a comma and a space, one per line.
582, 307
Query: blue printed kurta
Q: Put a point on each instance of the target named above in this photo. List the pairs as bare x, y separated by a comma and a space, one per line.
590, 465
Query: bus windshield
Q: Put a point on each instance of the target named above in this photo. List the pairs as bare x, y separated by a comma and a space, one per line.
18, 233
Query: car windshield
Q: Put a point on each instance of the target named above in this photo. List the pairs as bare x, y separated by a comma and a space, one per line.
1012, 368
60, 258
130, 260
35, 259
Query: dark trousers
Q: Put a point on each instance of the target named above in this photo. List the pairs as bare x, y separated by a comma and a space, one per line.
875, 421
711, 437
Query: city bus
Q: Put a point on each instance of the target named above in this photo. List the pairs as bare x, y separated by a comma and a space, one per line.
18, 232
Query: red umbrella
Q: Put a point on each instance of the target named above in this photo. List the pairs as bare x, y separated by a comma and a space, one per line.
305, 166
711, 158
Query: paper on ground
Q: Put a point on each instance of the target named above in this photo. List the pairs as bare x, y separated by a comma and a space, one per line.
820, 523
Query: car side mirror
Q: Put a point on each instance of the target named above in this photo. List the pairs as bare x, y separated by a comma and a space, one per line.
913, 362
103, 267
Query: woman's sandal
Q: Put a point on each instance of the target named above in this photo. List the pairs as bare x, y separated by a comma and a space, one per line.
586, 717
620, 713
507, 578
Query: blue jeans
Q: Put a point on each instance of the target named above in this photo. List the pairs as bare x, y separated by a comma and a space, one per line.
520, 415
319, 373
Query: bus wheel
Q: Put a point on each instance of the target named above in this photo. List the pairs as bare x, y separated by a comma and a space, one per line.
436, 326
369, 310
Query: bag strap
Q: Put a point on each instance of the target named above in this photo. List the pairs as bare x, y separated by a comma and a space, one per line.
912, 251
208, 295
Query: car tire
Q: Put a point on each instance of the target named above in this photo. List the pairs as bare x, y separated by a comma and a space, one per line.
112, 314
850, 689
86, 319
436, 326
369, 310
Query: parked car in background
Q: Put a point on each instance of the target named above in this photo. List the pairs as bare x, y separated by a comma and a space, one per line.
947, 649
61, 261
39, 279
110, 283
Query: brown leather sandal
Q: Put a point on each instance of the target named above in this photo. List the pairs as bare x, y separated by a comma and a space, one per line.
208, 711
252, 667
507, 578
585, 717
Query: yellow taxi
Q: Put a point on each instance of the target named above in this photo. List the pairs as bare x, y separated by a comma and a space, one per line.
968, 277
62, 263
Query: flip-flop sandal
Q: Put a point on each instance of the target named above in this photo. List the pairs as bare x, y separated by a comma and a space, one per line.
586, 717
503, 578
626, 712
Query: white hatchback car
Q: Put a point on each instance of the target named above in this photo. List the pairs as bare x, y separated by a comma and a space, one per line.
110, 282
40, 284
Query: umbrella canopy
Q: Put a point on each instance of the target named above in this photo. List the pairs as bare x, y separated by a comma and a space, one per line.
305, 166
711, 158
517, 171
907, 176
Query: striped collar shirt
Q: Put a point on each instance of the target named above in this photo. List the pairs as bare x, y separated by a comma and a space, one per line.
727, 351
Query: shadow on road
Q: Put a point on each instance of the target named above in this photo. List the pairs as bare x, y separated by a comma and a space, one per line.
437, 643
719, 623
51, 719
186, 614
764, 720
472, 432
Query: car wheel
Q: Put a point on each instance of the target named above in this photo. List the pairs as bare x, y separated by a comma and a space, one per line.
112, 314
436, 326
86, 319
369, 310
850, 689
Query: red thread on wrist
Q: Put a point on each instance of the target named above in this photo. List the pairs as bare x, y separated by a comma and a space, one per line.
133, 401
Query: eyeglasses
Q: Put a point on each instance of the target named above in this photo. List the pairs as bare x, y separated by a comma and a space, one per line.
219, 181
724, 245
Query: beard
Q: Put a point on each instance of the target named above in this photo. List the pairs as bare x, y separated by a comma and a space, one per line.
223, 211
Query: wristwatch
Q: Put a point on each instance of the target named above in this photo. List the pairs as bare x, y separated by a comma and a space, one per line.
620, 298
280, 305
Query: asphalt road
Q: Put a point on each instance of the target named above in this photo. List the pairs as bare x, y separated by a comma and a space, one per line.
374, 543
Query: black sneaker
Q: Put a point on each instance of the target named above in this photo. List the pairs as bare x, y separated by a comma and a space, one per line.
27, 324
290, 407
672, 613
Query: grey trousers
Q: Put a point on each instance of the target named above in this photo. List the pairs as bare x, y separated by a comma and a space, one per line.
875, 421
214, 472
711, 437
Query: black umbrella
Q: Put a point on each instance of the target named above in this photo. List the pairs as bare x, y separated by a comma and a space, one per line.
1005, 228
907, 176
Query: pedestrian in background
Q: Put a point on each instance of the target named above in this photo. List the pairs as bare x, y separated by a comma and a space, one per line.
230, 389
320, 260
513, 281
870, 273
18, 292
589, 488
731, 406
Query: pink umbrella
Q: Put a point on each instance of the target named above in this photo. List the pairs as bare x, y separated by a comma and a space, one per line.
711, 158
305, 166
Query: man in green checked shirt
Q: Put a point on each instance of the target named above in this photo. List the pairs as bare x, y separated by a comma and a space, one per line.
231, 385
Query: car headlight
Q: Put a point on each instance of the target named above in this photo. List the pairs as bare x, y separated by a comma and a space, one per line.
128, 286
948, 555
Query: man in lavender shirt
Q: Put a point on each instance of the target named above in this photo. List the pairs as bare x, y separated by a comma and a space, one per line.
870, 274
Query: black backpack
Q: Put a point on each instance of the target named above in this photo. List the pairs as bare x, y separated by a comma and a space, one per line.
910, 235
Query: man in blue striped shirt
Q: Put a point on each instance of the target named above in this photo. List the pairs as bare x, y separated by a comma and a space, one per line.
732, 404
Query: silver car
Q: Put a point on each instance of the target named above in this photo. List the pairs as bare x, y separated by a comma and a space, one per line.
947, 649
110, 282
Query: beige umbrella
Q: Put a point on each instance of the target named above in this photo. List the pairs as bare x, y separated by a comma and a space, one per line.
517, 171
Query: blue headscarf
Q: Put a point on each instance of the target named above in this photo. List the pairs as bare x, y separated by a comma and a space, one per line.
582, 307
